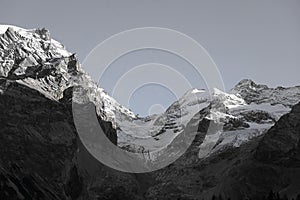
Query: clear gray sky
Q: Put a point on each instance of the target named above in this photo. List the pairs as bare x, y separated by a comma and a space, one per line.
257, 39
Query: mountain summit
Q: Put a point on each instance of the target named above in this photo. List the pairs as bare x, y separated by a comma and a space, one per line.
32, 58
256, 93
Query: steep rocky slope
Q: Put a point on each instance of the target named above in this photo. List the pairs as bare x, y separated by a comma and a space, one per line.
41, 156
282, 142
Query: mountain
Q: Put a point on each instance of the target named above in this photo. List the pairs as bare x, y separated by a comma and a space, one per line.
244, 143
42, 156
32, 58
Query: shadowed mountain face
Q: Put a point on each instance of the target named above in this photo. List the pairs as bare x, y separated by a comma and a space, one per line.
38, 144
42, 157
281, 145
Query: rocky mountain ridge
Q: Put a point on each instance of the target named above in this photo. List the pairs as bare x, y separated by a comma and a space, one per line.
32, 58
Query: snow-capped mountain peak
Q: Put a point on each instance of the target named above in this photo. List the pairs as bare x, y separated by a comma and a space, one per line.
257, 93
249, 84
32, 58
246, 112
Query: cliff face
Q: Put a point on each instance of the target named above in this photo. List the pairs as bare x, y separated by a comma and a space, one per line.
282, 142
38, 146
41, 156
